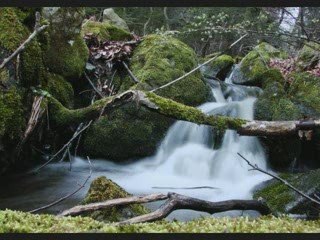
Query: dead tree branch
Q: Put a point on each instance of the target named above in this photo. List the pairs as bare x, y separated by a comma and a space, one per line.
37, 30
130, 73
174, 202
195, 69
178, 201
63, 148
68, 195
113, 202
255, 167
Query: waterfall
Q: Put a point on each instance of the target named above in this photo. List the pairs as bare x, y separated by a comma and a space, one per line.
189, 156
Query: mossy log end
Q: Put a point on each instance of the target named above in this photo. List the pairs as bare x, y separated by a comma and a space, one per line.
170, 108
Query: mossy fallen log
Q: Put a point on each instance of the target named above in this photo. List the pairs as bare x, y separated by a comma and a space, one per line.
170, 108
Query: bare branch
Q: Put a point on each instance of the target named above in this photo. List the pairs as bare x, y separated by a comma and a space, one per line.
37, 29
255, 167
195, 69
68, 195
130, 73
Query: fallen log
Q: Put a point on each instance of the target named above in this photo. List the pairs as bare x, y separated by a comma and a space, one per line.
174, 202
111, 203
172, 109
178, 201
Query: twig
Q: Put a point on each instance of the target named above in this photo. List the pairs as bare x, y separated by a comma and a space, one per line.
255, 167
130, 73
68, 195
195, 69
65, 146
37, 30
93, 86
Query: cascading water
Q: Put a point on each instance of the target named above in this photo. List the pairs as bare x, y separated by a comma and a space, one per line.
190, 155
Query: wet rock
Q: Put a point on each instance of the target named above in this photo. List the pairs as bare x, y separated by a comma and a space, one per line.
111, 17
218, 68
282, 199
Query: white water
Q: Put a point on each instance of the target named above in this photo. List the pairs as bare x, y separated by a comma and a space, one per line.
186, 156
189, 156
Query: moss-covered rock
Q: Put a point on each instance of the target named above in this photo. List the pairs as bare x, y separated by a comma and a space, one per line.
308, 56
111, 17
59, 88
304, 92
282, 199
105, 31
67, 52
103, 189
21, 222
67, 57
255, 64
13, 34
219, 67
130, 132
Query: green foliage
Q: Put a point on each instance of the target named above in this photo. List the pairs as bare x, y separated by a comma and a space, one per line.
105, 31
309, 55
12, 121
19, 222
103, 189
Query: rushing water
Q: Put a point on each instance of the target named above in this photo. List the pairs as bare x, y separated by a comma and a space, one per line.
190, 155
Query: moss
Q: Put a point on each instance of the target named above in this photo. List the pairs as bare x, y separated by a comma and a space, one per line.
272, 75
308, 56
31, 68
129, 132
219, 67
155, 62
160, 59
59, 88
12, 122
19, 222
254, 64
179, 111
105, 31
282, 199
304, 92
67, 58
103, 189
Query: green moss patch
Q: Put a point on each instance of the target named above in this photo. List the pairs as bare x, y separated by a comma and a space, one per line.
105, 31
19, 222
219, 67
103, 189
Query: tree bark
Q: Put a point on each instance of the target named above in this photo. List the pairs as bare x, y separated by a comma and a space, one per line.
178, 201
77, 210
172, 109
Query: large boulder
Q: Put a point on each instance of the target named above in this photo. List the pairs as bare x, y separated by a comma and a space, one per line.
133, 131
103, 189
67, 52
105, 31
308, 56
281, 199
255, 64
109, 16
283, 102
